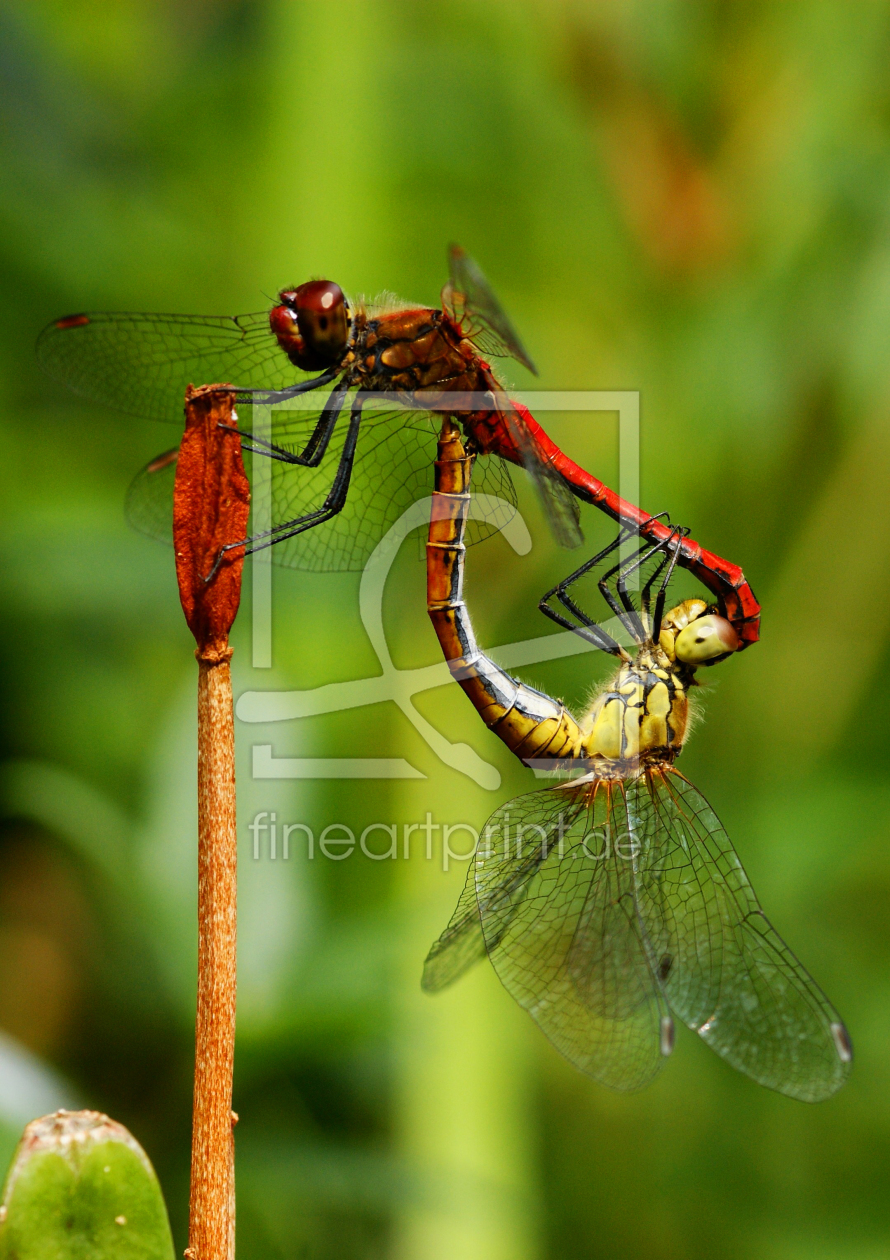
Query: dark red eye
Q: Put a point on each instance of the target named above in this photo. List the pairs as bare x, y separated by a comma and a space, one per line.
312, 324
319, 296
323, 320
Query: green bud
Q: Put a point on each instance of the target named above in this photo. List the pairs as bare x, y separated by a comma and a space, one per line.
80, 1187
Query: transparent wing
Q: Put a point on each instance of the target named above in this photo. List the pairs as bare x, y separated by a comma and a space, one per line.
555, 911
727, 973
141, 364
560, 505
393, 469
464, 941
460, 946
149, 502
467, 298
491, 477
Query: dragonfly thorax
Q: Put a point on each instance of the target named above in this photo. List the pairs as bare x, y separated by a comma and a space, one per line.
642, 714
412, 351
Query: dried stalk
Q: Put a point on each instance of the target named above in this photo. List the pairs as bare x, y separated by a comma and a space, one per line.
210, 509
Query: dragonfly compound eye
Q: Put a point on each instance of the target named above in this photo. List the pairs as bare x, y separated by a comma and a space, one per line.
323, 320
705, 639
311, 324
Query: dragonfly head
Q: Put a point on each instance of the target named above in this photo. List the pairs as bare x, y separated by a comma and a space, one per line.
694, 634
312, 324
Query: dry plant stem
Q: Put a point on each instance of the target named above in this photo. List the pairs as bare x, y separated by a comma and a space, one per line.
212, 1186
211, 504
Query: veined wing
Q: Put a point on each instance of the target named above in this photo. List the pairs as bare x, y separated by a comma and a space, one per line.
141, 364
460, 946
467, 298
728, 974
558, 916
560, 505
149, 503
392, 470
464, 942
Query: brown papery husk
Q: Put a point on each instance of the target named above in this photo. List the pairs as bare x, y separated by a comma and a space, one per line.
211, 504
211, 501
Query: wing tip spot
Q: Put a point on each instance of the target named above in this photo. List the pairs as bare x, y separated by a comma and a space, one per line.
163, 461
72, 321
842, 1043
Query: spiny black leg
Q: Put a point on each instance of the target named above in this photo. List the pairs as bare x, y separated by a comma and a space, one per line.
335, 498
626, 602
314, 450
561, 592
668, 562
588, 630
625, 611
678, 534
630, 618
270, 397
631, 565
627, 531
566, 600
333, 503
561, 589
646, 593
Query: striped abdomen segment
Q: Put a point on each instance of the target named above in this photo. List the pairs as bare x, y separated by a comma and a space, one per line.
531, 724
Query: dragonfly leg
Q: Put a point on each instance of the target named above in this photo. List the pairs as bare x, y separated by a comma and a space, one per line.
591, 632
679, 534
314, 450
269, 397
626, 608
667, 546
588, 628
622, 605
632, 620
628, 564
333, 503
646, 592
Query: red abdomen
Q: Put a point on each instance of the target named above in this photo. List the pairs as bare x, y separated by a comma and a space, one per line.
492, 431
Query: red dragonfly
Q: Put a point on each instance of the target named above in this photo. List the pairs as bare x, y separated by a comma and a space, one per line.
397, 365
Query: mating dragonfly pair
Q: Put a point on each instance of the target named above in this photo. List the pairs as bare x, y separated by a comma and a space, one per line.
601, 948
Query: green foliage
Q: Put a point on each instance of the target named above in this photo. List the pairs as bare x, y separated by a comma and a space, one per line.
81, 1188
691, 200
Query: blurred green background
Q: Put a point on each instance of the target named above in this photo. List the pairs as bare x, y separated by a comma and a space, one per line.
689, 199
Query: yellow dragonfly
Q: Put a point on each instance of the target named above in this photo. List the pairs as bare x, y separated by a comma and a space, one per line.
613, 903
